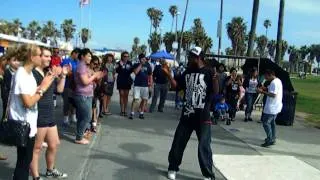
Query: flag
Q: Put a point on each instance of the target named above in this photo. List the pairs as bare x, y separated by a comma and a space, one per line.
84, 2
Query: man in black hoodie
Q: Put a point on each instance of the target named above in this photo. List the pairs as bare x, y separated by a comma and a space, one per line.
197, 82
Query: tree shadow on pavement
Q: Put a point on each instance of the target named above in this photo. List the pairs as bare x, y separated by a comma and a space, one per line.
5, 171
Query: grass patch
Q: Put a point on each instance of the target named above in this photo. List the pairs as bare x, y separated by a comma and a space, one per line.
308, 97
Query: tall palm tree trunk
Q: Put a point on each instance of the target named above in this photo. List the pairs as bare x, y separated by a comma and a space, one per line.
255, 11
150, 35
172, 24
183, 24
280, 29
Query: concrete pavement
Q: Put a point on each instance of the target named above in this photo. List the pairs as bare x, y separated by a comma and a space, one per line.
138, 149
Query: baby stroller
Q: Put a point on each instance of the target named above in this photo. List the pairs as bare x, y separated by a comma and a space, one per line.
220, 110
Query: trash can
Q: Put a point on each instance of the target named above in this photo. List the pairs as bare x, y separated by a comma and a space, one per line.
287, 114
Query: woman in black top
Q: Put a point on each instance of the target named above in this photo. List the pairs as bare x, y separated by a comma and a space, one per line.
233, 92
124, 81
47, 124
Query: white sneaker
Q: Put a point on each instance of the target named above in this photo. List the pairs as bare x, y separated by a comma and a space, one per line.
207, 178
172, 175
44, 145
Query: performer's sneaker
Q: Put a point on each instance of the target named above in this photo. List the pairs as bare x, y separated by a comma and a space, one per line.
172, 175
56, 174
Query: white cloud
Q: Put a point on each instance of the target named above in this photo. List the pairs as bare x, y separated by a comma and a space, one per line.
299, 6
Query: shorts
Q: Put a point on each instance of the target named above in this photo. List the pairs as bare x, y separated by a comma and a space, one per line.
141, 92
108, 88
45, 124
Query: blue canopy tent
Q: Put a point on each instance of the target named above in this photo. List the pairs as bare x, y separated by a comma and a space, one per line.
161, 54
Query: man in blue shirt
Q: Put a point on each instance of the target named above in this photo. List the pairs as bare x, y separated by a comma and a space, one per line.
143, 73
68, 108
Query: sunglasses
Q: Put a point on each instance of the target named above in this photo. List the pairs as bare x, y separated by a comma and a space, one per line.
126, 56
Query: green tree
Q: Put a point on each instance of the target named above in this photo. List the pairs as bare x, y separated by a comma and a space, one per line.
48, 30
267, 24
34, 29
68, 29
229, 51
255, 11
16, 26
200, 37
168, 40
173, 10
187, 40
315, 54
143, 49
294, 57
157, 18
85, 36
262, 42
135, 47
5, 27
150, 13
237, 33
154, 42
271, 48
279, 35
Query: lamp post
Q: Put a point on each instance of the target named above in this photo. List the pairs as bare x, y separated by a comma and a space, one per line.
219, 33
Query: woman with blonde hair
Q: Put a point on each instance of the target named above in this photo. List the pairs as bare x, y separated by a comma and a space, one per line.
22, 105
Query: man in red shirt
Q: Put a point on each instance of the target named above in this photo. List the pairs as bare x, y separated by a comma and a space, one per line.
55, 58
55, 61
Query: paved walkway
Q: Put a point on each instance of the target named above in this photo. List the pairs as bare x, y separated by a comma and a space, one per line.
125, 149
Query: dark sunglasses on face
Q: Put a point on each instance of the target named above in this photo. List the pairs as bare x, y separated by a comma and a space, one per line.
126, 56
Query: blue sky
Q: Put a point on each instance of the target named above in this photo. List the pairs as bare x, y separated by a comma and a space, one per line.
116, 22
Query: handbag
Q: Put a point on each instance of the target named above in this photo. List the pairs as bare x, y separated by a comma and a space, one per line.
13, 132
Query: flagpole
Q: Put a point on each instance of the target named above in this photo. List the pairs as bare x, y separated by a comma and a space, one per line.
90, 30
81, 21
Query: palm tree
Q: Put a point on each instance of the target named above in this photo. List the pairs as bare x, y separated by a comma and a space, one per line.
207, 45
267, 24
173, 11
4, 27
16, 26
157, 18
34, 29
154, 42
150, 13
143, 49
280, 29
48, 30
168, 40
255, 11
135, 47
68, 29
294, 57
85, 36
187, 40
262, 42
271, 48
237, 32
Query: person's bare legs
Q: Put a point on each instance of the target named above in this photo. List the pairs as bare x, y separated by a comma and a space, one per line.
108, 103
105, 103
126, 96
143, 105
34, 166
53, 141
121, 92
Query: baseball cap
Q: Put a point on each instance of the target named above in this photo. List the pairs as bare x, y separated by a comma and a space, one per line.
197, 51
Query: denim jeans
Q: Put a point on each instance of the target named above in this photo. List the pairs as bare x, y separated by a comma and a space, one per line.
83, 113
162, 91
232, 102
181, 138
269, 125
250, 98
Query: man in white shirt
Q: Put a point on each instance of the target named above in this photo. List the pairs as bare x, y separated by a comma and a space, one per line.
272, 108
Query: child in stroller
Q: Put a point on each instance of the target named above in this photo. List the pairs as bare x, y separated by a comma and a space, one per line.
220, 111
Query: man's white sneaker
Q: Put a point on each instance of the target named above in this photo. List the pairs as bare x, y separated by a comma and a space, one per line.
44, 145
207, 178
172, 175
